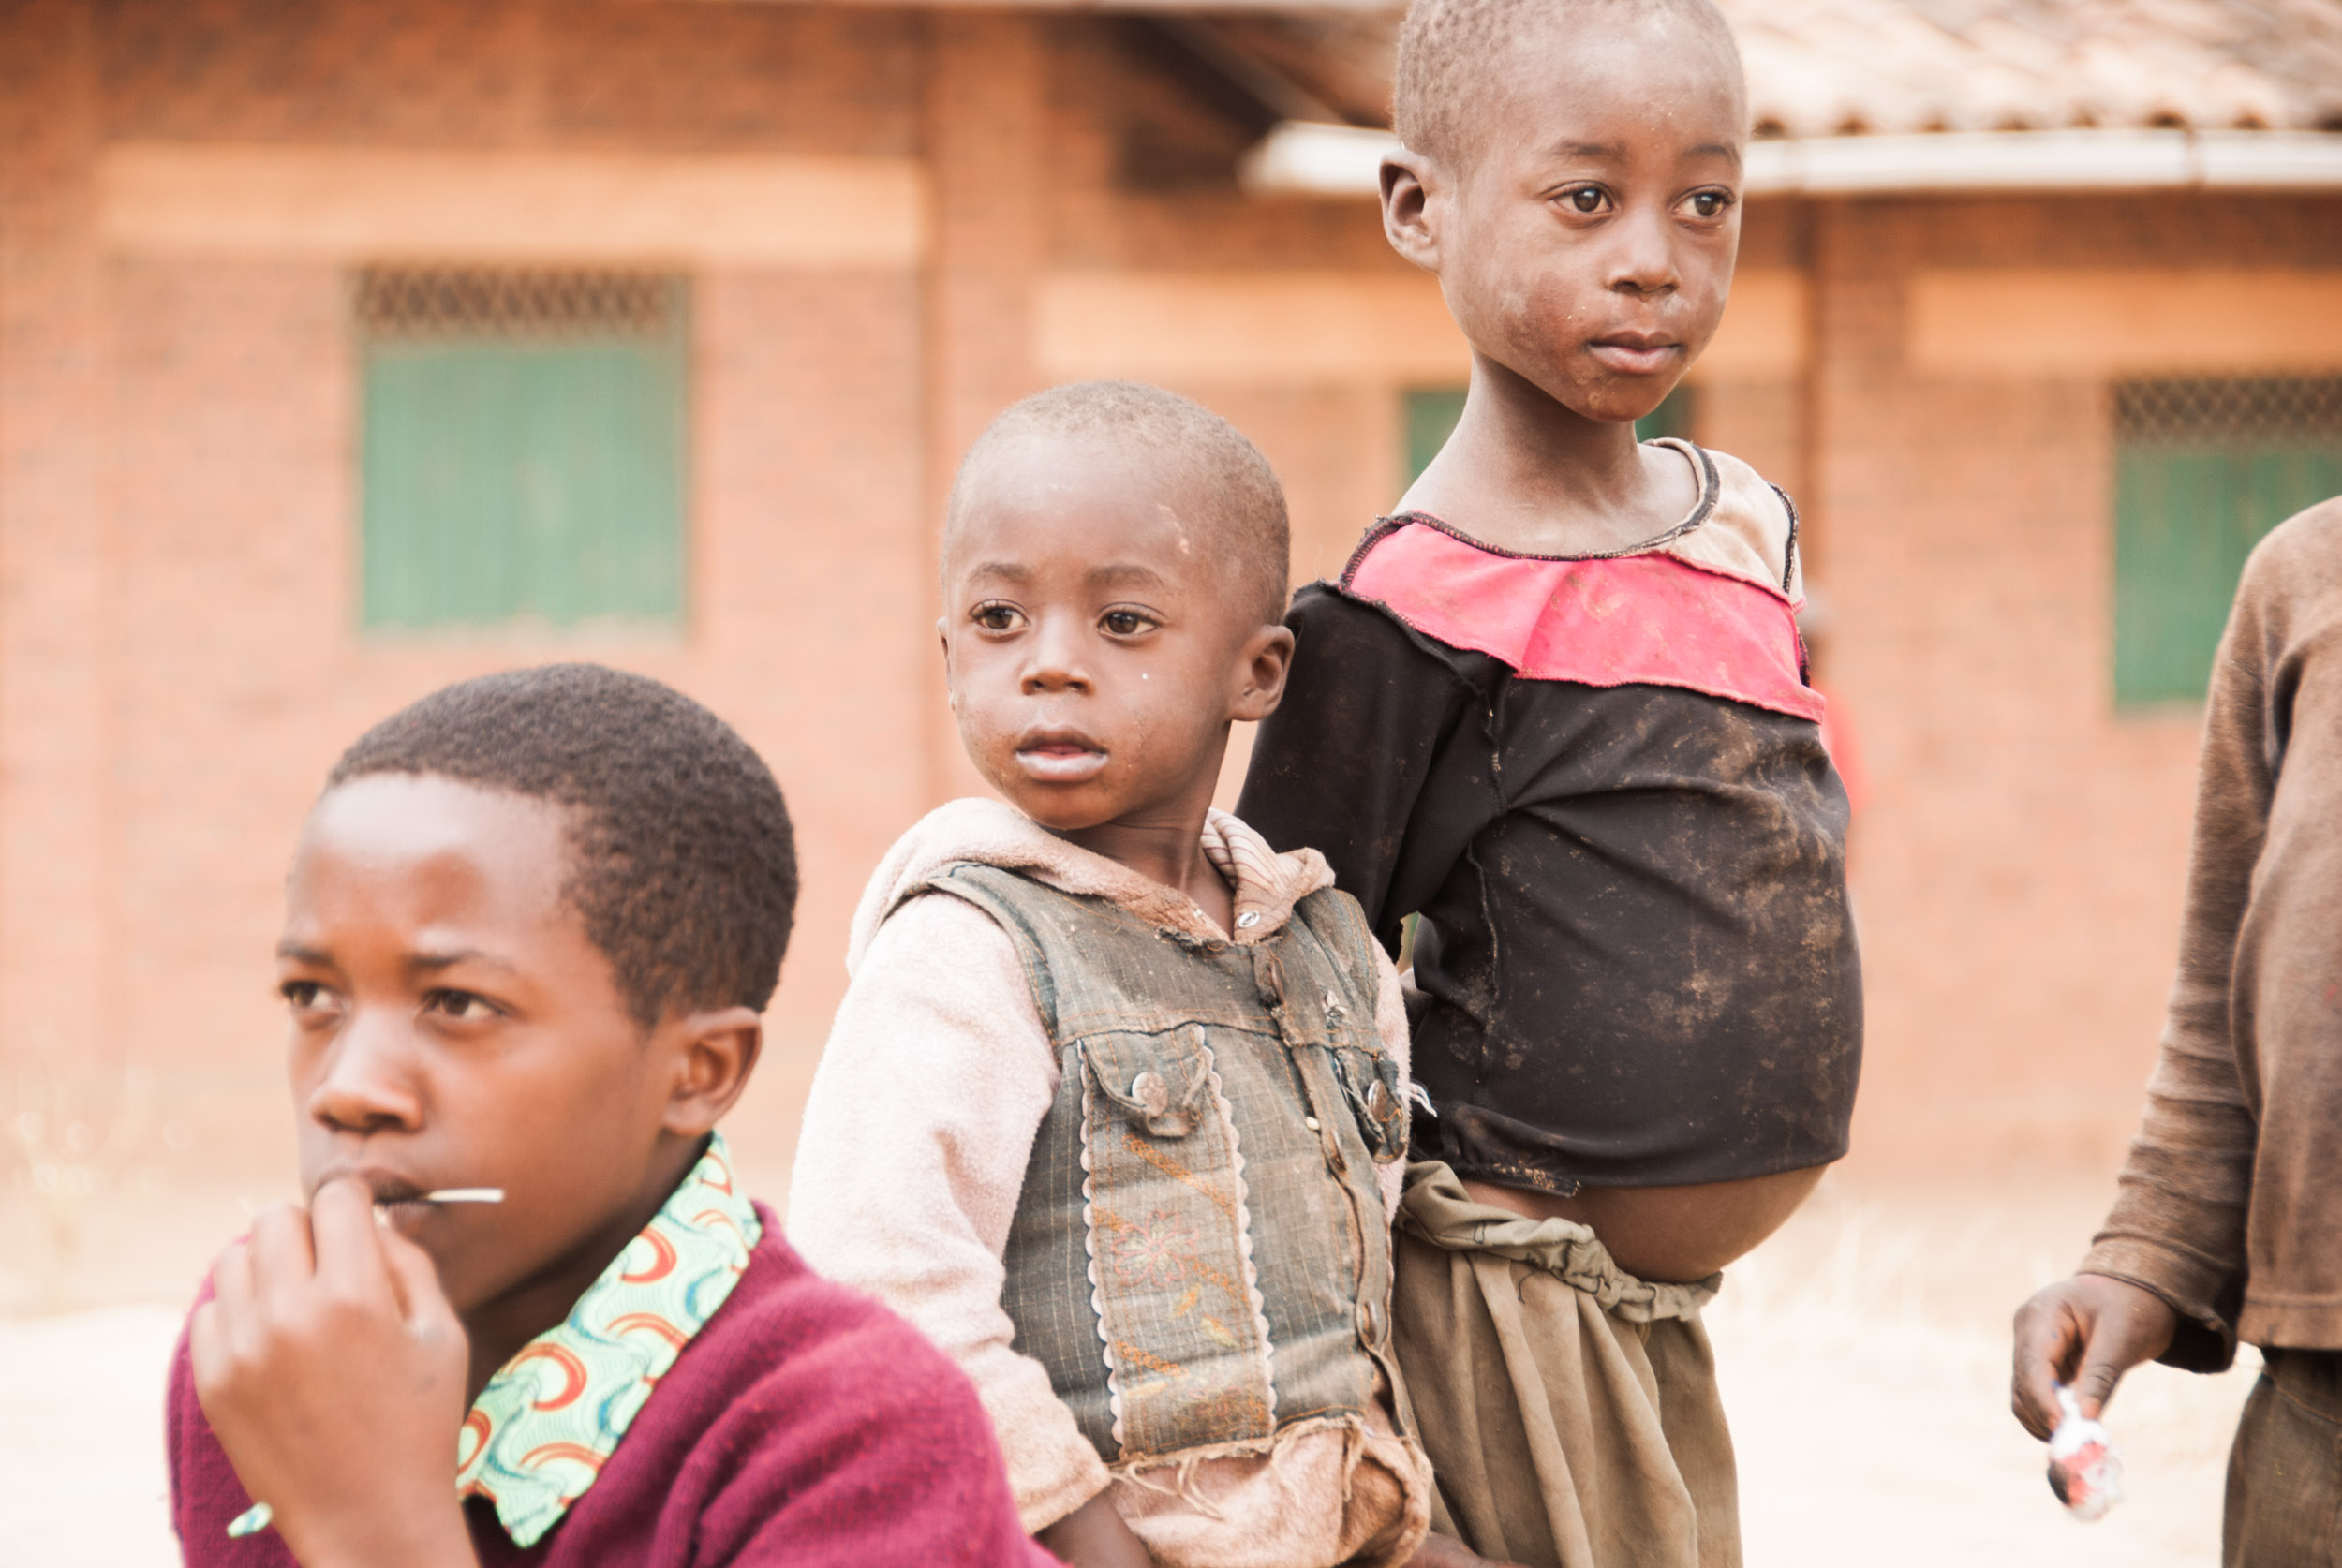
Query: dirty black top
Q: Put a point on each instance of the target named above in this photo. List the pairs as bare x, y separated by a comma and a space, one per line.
1635, 955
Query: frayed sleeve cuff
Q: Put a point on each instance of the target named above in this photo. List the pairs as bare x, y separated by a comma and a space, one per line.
2206, 1339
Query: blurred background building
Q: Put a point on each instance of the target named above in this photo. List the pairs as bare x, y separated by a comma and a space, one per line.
351, 346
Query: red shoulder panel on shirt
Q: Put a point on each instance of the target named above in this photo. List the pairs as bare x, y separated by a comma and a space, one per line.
1649, 619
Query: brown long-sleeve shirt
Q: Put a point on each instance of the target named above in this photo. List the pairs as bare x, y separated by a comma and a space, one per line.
2231, 1206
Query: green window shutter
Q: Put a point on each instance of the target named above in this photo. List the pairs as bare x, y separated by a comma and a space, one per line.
1673, 417
1432, 416
1431, 413
523, 450
2203, 469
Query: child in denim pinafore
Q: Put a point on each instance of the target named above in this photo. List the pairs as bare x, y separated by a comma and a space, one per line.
1113, 1107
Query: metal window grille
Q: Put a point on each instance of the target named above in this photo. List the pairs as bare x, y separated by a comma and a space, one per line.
522, 448
2208, 412
1429, 414
2204, 469
481, 304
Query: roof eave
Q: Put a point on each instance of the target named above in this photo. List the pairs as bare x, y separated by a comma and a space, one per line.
1304, 159
2049, 161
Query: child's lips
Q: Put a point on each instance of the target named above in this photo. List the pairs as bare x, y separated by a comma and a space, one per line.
385, 1187
403, 1214
1635, 356
1060, 762
400, 1202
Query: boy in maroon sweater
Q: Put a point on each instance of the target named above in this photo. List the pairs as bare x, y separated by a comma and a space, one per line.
526, 1317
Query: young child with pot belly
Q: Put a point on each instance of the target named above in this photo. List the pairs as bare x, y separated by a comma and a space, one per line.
1556, 706
1113, 1106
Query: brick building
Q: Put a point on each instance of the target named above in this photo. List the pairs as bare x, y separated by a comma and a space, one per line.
347, 348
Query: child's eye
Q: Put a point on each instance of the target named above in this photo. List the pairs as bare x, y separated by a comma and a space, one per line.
1124, 622
996, 617
1710, 203
462, 1006
303, 995
1586, 199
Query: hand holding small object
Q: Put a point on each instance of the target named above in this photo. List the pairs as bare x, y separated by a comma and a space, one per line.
2083, 1333
333, 1370
2084, 1471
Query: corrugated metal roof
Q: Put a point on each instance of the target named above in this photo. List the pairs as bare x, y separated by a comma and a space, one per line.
1828, 67
1876, 96
1834, 68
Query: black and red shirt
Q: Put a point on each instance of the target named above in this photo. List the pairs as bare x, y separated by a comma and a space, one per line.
1601, 783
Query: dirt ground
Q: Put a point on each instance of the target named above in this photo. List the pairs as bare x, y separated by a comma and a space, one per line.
1864, 1360
1863, 1355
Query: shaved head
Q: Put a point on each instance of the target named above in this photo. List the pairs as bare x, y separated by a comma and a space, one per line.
1449, 51
1232, 483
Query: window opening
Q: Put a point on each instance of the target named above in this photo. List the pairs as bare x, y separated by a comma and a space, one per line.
2204, 468
1431, 419
522, 450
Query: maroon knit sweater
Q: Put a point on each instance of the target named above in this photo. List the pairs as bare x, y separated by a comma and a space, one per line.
804, 1424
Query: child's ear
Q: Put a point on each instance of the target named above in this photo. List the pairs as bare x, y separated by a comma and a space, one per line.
713, 1053
1261, 671
1408, 183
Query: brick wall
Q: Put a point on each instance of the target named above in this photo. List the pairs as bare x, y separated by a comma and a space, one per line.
178, 657
178, 663
2018, 869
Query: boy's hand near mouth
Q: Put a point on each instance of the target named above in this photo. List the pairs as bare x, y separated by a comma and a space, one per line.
333, 1369
530, 929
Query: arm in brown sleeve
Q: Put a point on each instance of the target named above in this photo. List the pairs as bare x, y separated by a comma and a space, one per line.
2177, 1227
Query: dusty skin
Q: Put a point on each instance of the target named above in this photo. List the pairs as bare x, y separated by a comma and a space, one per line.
1094, 655
1587, 252
1096, 661
1679, 1234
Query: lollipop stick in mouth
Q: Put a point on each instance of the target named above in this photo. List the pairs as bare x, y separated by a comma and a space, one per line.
383, 1207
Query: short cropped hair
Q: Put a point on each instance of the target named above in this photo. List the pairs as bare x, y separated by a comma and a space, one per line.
1447, 49
1248, 503
682, 862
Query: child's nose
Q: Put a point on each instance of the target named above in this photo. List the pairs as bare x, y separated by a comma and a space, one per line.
368, 1084
1055, 662
1644, 262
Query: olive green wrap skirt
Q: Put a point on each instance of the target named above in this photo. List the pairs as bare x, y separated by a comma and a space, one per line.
1570, 1410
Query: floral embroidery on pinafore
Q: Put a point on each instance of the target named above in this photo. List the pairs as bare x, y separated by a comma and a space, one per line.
1198, 1257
